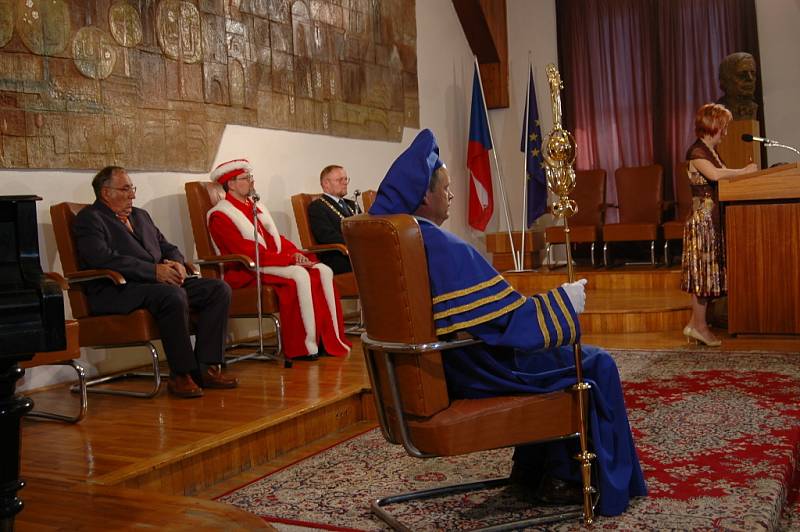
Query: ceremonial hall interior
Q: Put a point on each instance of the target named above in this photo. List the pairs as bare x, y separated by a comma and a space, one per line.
171, 90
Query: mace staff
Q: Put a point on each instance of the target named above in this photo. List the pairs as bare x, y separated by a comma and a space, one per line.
559, 156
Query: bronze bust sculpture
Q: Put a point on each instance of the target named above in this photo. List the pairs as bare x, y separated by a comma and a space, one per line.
737, 79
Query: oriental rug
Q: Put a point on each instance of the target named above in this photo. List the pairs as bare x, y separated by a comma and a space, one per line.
718, 435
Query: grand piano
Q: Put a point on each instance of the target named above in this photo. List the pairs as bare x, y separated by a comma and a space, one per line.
31, 321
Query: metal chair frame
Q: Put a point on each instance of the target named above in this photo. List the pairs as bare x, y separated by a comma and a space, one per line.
378, 505
80, 388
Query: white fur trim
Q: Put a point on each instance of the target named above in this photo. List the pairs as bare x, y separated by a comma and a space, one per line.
228, 167
302, 282
245, 224
326, 280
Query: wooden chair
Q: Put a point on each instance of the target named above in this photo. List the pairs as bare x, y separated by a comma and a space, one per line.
640, 201
584, 226
405, 366
368, 198
673, 229
65, 357
344, 282
107, 331
201, 196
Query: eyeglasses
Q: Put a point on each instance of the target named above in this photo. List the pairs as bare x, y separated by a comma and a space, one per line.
125, 190
245, 177
344, 180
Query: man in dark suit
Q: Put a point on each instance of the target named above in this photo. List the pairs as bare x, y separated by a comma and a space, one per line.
111, 233
326, 213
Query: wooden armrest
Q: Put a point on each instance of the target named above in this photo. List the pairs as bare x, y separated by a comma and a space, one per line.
220, 259
93, 275
341, 248
58, 278
191, 269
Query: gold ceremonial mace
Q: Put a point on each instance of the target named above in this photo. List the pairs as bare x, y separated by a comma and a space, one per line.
559, 156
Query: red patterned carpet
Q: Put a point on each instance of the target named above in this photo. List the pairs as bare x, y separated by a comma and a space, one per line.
718, 434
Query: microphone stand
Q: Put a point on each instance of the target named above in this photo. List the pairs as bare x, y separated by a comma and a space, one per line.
260, 354
254, 198
356, 194
773, 144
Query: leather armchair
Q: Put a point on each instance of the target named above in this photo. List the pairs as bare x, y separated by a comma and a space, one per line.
107, 331
673, 229
640, 202
404, 359
585, 225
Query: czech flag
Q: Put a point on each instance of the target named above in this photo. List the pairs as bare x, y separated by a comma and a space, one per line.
481, 198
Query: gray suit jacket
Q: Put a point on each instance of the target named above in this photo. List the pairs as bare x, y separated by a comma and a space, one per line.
103, 241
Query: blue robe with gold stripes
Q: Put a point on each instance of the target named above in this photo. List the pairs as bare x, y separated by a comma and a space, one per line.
525, 352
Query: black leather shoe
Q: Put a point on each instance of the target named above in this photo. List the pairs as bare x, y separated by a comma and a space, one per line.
307, 358
557, 492
526, 477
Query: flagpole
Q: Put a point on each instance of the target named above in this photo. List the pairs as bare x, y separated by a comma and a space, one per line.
497, 167
525, 166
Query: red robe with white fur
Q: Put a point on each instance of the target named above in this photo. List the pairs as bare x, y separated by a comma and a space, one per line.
309, 305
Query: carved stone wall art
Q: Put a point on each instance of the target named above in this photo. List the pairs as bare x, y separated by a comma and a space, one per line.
43, 25
126, 28
151, 84
178, 30
6, 21
94, 53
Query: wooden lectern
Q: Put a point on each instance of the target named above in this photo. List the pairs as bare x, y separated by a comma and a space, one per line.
762, 223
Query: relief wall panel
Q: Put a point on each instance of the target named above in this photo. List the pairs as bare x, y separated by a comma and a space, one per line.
151, 84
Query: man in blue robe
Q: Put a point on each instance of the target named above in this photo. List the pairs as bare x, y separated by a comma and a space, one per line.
526, 339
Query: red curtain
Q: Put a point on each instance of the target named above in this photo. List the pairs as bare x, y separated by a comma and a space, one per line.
635, 72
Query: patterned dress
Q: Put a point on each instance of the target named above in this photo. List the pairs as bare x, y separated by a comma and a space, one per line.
703, 238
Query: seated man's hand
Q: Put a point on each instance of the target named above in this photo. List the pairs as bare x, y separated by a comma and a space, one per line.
302, 260
577, 294
165, 273
178, 267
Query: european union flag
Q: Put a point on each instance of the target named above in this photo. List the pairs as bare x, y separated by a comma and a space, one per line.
536, 181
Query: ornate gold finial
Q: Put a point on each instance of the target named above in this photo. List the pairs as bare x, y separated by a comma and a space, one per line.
559, 152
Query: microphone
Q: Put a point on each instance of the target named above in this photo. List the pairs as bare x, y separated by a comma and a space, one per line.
747, 137
769, 143
356, 194
254, 195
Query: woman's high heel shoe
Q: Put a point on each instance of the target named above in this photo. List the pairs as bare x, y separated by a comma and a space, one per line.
691, 333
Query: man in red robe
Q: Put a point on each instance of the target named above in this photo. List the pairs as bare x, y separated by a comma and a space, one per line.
310, 310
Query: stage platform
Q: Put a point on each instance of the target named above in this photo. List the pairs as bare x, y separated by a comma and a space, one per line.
154, 462
126, 448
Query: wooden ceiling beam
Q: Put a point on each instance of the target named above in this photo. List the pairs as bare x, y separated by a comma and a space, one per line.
484, 25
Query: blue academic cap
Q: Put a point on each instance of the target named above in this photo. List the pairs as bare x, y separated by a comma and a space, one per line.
403, 188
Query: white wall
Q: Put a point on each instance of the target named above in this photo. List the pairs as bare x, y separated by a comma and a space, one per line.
779, 41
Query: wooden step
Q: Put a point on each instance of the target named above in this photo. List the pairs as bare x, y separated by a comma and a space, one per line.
624, 300
630, 277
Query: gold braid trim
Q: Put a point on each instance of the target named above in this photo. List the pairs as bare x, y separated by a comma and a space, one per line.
542, 324
468, 290
474, 304
567, 316
554, 319
482, 319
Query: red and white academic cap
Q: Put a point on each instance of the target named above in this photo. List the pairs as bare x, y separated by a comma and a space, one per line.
228, 170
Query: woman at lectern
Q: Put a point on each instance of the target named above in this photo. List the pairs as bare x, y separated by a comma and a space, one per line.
703, 239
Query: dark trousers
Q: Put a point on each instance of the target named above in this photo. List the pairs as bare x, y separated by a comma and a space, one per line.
336, 261
208, 299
